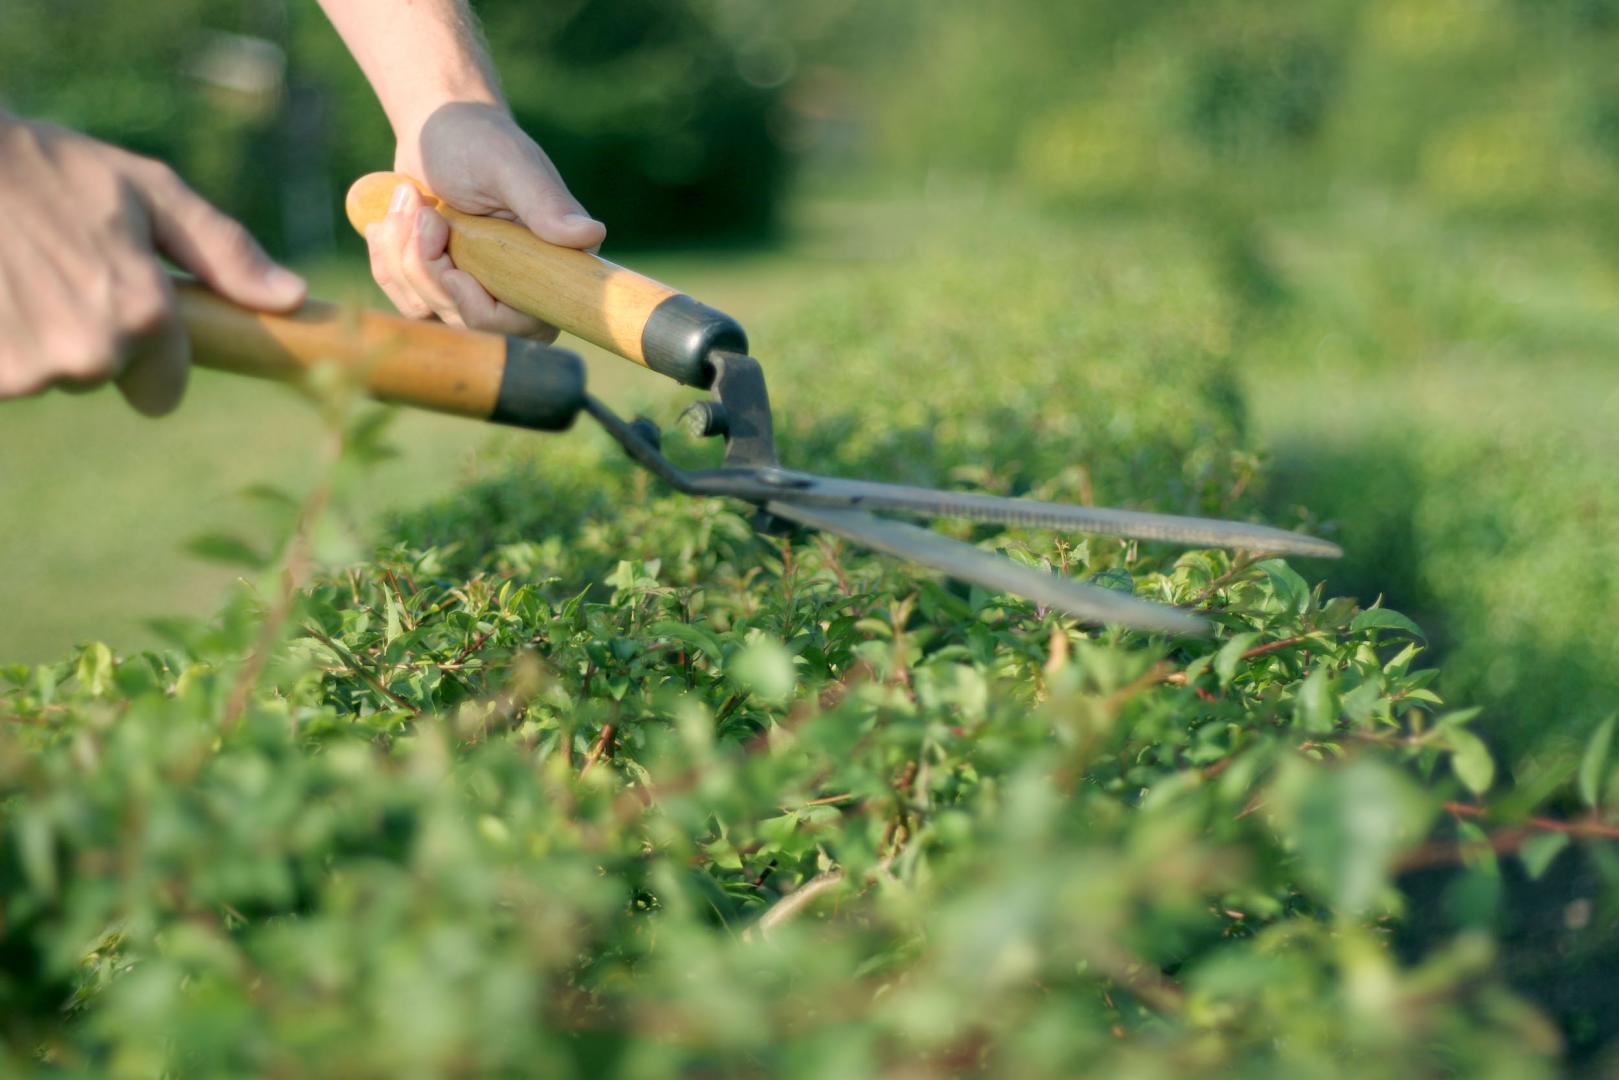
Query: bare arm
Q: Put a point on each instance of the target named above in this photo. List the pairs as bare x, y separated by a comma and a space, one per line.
426, 61
417, 56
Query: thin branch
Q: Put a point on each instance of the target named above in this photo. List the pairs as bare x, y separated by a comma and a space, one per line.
471, 647
353, 661
599, 750
797, 900
1585, 828
1227, 578
825, 800
1503, 842
1271, 646
295, 567
1136, 975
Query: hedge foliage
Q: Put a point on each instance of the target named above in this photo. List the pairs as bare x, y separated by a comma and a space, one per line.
1493, 108
576, 776
1460, 438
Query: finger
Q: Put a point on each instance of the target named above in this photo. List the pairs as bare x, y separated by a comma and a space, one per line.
378, 241
536, 194
397, 230
424, 261
480, 311
216, 248
158, 353
386, 241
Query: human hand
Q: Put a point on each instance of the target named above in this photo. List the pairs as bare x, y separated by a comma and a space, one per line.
475, 158
84, 298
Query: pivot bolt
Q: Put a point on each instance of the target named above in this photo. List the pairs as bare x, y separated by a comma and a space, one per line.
705, 419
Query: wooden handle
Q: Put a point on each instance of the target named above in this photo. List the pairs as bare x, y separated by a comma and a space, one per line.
622, 311
426, 365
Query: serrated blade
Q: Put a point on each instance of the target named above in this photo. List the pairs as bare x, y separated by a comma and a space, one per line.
826, 491
1090, 603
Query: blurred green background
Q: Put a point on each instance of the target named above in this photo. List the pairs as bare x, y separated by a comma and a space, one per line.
1400, 214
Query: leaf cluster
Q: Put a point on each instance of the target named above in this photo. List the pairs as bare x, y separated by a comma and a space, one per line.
647, 793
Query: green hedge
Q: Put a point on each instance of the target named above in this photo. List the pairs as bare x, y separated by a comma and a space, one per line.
577, 777
1488, 108
1447, 401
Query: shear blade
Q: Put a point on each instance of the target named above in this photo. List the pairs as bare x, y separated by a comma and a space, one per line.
1031, 513
1089, 603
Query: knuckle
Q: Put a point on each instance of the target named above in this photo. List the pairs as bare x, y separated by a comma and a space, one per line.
152, 178
158, 172
84, 355
232, 238
145, 308
408, 303
160, 175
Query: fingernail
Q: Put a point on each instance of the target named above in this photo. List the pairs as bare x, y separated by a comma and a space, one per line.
424, 218
579, 220
401, 197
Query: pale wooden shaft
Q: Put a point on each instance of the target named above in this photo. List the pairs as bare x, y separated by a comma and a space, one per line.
584, 294
427, 365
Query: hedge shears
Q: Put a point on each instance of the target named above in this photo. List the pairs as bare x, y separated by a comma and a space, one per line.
524, 383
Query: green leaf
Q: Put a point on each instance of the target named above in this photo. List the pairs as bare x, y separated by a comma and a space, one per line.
1538, 852
270, 495
1115, 579
1230, 655
1291, 590
695, 637
1348, 823
1316, 710
226, 549
37, 851
764, 668
1380, 618
366, 438
1593, 760
1471, 761
391, 627
95, 668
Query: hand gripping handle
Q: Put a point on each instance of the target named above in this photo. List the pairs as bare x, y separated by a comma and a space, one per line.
426, 365
622, 311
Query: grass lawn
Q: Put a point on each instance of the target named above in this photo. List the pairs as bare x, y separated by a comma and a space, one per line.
99, 502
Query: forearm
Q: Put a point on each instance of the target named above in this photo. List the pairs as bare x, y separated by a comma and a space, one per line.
417, 54
428, 65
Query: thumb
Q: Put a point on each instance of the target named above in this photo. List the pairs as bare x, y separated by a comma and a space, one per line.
534, 191
218, 249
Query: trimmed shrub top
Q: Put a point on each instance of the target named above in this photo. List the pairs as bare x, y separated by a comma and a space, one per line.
576, 776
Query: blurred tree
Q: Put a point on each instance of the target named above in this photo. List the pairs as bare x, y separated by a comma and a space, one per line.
661, 113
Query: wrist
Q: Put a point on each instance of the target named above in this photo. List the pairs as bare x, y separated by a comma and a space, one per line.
409, 117
409, 108
448, 125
